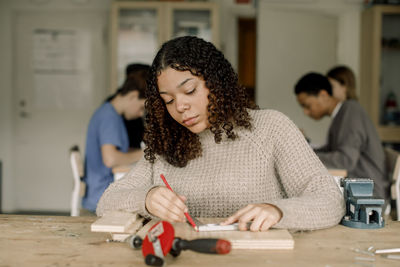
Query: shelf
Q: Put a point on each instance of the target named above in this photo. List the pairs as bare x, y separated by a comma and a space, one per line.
380, 62
387, 48
390, 133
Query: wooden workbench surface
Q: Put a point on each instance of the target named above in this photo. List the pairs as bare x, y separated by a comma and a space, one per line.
67, 241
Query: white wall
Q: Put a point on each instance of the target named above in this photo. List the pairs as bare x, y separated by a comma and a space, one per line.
6, 137
8, 10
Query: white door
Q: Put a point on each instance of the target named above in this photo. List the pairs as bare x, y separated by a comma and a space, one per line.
289, 44
59, 79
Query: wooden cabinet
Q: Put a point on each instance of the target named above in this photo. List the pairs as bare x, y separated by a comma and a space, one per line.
380, 68
139, 28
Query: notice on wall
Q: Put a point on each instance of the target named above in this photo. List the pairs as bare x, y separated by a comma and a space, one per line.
54, 51
63, 78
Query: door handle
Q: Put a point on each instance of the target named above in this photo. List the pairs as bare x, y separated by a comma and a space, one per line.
24, 114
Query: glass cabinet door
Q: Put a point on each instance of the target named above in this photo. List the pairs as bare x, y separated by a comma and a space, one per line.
138, 29
197, 19
136, 37
390, 70
380, 69
192, 22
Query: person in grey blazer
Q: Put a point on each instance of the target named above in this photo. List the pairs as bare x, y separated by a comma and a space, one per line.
353, 142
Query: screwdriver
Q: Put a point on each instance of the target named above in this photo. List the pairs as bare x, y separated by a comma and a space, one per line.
202, 245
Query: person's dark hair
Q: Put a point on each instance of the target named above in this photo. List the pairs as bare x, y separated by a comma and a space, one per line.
136, 76
345, 76
227, 106
136, 68
312, 83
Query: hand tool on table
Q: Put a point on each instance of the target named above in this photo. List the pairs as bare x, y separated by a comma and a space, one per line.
160, 241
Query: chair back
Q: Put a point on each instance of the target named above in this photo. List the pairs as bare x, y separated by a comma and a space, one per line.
79, 186
393, 167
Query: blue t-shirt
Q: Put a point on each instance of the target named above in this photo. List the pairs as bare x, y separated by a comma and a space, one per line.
105, 127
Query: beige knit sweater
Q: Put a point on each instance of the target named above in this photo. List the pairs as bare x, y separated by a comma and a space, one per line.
270, 164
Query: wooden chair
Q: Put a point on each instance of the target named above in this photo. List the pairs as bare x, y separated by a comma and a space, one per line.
79, 185
393, 167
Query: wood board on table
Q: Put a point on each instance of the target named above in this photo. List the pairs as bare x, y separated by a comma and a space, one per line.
121, 225
115, 222
271, 239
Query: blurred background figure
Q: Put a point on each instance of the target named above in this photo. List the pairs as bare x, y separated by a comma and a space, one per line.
353, 143
135, 127
108, 141
343, 83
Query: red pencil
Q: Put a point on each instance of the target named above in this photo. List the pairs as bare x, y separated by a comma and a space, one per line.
186, 213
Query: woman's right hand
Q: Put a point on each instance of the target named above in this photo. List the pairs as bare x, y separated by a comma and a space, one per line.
165, 204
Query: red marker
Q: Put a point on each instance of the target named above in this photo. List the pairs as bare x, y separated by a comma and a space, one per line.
186, 213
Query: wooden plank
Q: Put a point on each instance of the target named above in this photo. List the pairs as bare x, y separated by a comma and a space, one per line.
132, 229
338, 172
272, 239
114, 222
143, 231
140, 231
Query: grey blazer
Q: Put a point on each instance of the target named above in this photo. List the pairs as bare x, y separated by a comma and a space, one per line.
353, 144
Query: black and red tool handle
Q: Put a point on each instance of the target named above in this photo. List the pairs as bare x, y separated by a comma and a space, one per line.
203, 245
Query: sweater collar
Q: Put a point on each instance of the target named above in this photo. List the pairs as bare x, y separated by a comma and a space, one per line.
206, 136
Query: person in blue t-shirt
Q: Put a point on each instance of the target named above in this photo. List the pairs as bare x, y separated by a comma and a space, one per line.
107, 142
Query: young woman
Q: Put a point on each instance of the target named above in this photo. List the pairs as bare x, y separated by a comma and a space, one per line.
343, 83
222, 157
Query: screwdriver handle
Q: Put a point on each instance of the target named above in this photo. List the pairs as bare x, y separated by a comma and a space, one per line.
204, 245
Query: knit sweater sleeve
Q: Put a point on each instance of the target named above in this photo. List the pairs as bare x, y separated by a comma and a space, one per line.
314, 200
128, 193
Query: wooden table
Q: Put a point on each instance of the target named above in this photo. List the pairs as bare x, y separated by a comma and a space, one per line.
67, 241
338, 172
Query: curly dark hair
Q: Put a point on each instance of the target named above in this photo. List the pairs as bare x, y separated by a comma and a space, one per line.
227, 106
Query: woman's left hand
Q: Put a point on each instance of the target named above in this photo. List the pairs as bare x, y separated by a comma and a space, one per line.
263, 217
